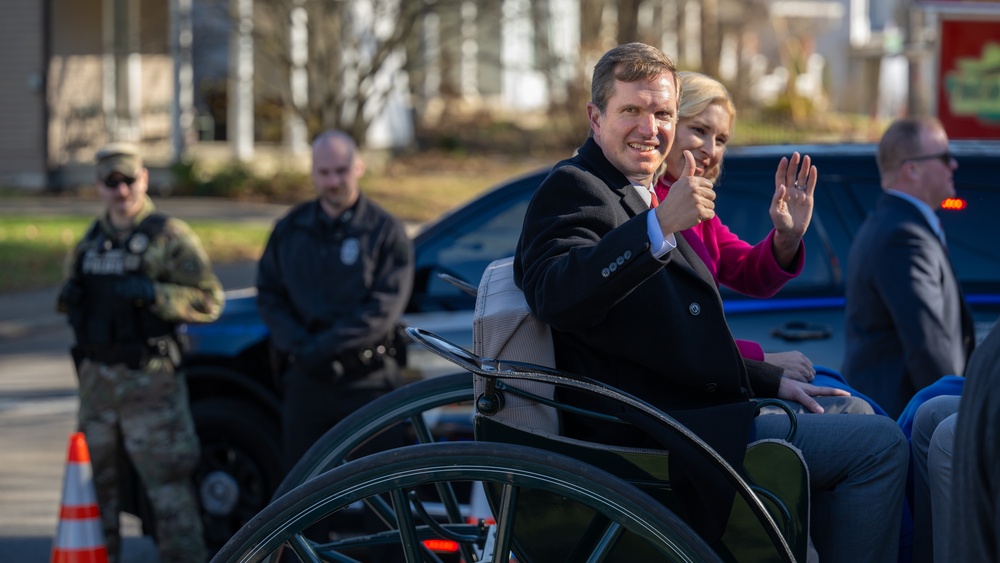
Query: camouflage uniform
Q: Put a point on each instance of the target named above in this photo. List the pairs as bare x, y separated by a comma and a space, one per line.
136, 408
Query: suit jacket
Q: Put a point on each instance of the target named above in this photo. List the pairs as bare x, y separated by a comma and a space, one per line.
652, 327
907, 322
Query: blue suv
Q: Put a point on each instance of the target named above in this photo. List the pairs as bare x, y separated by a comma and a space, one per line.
232, 380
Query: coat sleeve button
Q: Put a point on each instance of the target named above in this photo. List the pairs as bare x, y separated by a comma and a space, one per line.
694, 309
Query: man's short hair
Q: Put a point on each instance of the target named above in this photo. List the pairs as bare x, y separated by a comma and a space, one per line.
336, 135
902, 140
122, 158
630, 62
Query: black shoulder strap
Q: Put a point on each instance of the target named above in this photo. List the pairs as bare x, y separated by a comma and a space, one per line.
91, 238
152, 225
93, 231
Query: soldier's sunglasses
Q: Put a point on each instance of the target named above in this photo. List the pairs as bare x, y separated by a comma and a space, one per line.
113, 181
945, 157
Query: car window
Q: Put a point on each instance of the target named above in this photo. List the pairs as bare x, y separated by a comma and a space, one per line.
474, 238
975, 257
743, 205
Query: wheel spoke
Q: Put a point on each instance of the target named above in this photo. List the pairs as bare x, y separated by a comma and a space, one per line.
303, 548
407, 529
445, 490
450, 500
420, 429
381, 509
607, 542
505, 523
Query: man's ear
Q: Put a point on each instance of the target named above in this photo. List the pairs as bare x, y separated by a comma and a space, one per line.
594, 116
359, 166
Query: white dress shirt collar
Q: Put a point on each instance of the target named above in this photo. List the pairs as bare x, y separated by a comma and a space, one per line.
932, 219
645, 192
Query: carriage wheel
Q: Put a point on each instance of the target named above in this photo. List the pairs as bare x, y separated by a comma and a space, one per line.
578, 512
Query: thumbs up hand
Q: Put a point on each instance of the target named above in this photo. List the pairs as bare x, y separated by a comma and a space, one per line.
690, 201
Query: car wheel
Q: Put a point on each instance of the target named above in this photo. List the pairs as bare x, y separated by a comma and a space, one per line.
240, 464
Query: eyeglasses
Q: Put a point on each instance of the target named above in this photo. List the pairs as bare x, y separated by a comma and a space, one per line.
945, 157
113, 181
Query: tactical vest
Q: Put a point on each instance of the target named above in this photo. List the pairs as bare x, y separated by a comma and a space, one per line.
108, 322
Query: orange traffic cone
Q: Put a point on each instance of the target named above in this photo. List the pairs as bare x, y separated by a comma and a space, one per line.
79, 538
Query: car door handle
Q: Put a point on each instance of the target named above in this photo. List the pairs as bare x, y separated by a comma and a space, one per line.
794, 331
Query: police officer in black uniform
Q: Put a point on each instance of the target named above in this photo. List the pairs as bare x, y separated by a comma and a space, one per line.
332, 285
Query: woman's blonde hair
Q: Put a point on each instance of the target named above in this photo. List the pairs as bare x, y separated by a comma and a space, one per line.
698, 92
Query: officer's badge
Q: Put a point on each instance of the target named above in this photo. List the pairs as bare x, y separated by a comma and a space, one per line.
349, 251
138, 243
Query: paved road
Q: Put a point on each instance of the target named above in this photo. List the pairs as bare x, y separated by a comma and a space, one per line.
38, 394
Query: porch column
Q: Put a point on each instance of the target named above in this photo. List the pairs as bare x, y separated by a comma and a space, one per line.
182, 104
240, 126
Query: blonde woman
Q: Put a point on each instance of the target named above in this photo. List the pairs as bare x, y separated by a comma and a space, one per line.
706, 119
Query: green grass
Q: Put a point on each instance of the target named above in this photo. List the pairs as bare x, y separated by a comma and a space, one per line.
418, 198
33, 249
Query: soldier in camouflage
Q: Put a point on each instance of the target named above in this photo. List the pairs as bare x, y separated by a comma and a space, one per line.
133, 277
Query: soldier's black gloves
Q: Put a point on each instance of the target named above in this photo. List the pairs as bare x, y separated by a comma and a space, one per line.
136, 289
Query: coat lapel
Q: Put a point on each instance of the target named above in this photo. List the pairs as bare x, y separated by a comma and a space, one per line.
632, 201
900, 207
595, 161
687, 259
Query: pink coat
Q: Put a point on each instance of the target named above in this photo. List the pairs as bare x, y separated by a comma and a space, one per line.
750, 270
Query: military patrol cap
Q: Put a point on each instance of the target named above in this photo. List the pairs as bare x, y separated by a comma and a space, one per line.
120, 157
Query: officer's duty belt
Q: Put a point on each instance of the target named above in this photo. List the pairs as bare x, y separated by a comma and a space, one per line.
134, 355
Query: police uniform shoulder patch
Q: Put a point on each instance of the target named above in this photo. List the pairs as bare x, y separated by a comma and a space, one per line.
350, 249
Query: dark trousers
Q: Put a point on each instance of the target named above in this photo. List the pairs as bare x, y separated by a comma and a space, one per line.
312, 406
